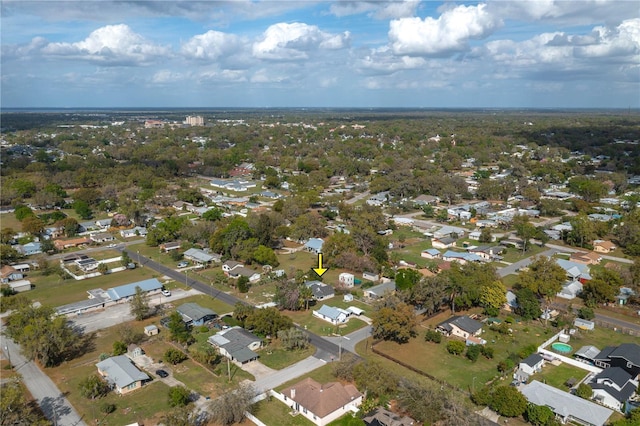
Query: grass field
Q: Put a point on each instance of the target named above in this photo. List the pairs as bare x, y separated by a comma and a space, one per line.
277, 358
557, 375
53, 291
274, 412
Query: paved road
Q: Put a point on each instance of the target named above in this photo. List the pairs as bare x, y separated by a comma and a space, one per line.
514, 267
358, 197
565, 249
349, 342
325, 349
53, 403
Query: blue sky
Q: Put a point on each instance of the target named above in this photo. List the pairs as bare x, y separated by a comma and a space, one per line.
305, 53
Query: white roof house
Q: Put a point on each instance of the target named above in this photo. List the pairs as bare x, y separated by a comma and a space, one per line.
566, 406
331, 314
122, 373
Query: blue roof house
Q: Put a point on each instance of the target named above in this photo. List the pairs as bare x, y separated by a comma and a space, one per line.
128, 290
314, 245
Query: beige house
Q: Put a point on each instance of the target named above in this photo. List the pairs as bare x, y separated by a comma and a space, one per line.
321, 403
602, 246
461, 326
122, 374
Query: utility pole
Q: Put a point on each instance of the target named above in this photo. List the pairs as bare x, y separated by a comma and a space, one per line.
6, 349
229, 369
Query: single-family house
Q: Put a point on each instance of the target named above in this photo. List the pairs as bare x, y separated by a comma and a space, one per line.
333, 315
475, 235
488, 253
122, 374
460, 257
170, 246
20, 285
603, 246
137, 231
566, 407
134, 351
229, 265
423, 200
9, 273
71, 242
380, 290
28, 249
103, 223
201, 257
314, 245
588, 257
241, 271
193, 314
443, 242
21, 267
321, 403
383, 417
587, 354
320, 290
87, 265
570, 290
625, 356
450, 231
575, 271
613, 387
101, 237
512, 301
87, 226
346, 279
237, 344
528, 367
431, 253
461, 326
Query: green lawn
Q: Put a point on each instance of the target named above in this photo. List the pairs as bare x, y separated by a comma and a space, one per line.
513, 255
277, 358
274, 412
557, 375
53, 291
218, 306
315, 325
323, 374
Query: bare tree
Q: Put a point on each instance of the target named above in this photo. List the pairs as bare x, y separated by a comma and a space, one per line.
230, 407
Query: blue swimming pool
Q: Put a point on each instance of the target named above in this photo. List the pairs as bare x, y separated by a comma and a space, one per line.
561, 347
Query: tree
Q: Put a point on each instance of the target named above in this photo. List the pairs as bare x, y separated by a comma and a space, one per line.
125, 259
602, 288
33, 225
82, 209
174, 356
473, 352
139, 304
44, 336
493, 297
538, 415
93, 386
103, 268
119, 348
267, 322
584, 391
183, 416
212, 214
396, 324
407, 278
433, 336
265, 256
586, 313
528, 305
485, 235
178, 330
9, 255
455, 347
430, 404
15, 409
508, 401
376, 380
525, 230
293, 339
22, 212
544, 277
229, 408
243, 284
179, 396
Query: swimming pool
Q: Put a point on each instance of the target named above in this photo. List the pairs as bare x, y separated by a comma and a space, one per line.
561, 347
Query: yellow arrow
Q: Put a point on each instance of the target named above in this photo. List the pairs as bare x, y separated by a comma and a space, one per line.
320, 270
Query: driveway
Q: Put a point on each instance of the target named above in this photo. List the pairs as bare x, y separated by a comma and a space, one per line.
258, 369
286, 374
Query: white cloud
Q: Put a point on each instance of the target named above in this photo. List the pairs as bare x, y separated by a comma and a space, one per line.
383, 61
110, 45
448, 33
622, 41
291, 42
375, 8
25, 50
212, 45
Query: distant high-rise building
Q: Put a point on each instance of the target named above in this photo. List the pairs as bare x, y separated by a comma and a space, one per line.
194, 120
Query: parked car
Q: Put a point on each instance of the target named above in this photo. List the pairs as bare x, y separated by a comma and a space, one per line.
166, 293
183, 264
162, 374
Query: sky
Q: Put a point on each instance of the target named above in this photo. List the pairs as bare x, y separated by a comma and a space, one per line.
306, 53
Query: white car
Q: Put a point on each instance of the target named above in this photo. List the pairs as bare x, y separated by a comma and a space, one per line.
183, 264
111, 245
166, 293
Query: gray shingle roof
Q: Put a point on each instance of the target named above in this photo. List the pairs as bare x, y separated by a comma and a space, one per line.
194, 312
627, 351
462, 322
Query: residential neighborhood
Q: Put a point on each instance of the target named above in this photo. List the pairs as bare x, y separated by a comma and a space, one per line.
320, 270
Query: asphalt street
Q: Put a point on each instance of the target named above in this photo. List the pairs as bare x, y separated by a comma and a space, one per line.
53, 403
